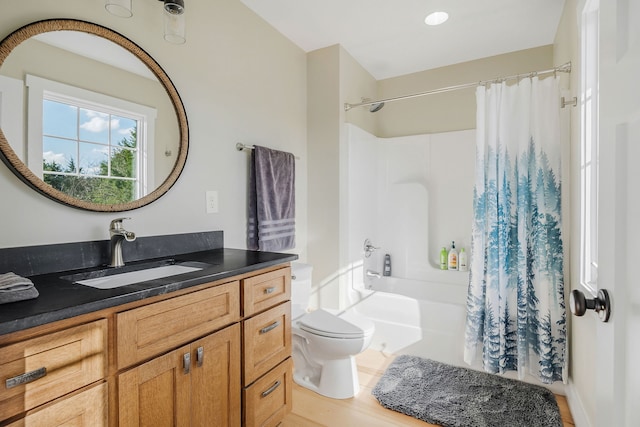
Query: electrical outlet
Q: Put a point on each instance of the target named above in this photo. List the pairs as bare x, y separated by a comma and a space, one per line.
212, 201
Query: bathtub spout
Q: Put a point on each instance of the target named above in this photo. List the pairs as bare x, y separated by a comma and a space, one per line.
373, 274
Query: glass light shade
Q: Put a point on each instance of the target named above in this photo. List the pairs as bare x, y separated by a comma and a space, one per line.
436, 18
121, 8
174, 28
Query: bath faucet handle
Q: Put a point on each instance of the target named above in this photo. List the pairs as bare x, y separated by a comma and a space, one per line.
369, 248
116, 224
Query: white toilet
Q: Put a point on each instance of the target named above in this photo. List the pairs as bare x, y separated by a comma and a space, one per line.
324, 343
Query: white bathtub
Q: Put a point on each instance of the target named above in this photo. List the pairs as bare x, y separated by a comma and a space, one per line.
420, 318
414, 317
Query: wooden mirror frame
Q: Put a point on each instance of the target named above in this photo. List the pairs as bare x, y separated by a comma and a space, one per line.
19, 168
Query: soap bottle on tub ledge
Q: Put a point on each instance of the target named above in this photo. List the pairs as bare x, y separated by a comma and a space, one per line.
463, 261
443, 258
387, 265
452, 258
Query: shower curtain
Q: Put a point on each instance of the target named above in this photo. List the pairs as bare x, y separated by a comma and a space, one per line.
515, 303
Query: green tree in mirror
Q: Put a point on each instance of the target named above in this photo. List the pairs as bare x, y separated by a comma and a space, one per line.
114, 183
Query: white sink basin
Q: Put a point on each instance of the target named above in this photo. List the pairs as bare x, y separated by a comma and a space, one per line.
129, 278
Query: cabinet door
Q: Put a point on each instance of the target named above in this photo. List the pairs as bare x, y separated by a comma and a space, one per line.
41, 369
215, 379
268, 400
266, 290
88, 408
156, 393
267, 341
151, 330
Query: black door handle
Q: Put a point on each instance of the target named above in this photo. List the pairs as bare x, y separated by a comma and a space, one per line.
579, 304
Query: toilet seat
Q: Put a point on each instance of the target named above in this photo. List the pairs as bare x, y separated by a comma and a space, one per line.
321, 322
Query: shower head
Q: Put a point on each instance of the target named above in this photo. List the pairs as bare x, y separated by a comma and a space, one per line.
376, 107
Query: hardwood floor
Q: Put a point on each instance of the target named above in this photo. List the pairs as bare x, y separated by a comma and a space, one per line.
312, 410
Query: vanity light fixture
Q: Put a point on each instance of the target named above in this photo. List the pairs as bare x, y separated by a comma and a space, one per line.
121, 8
174, 22
436, 18
174, 26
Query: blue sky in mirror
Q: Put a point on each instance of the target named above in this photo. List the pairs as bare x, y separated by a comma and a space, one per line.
81, 135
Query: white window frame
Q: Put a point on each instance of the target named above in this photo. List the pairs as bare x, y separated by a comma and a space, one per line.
40, 89
589, 146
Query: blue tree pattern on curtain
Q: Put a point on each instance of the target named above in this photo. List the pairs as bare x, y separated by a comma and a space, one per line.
515, 304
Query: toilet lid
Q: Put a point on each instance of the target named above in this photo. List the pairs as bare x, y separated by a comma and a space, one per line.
323, 323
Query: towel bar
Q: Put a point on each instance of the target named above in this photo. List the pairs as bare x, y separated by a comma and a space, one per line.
241, 147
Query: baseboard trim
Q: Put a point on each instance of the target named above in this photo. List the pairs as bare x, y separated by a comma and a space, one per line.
579, 415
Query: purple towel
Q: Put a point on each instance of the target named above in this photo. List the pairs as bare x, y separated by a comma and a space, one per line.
271, 219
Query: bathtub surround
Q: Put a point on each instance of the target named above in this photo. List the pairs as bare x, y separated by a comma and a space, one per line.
272, 203
452, 396
402, 197
516, 317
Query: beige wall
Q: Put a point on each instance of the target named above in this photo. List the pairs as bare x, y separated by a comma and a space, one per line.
454, 110
323, 136
239, 79
333, 76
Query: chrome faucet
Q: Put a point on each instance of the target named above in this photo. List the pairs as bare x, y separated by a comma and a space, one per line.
371, 273
118, 235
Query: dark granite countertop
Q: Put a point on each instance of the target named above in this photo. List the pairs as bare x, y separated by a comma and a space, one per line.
62, 299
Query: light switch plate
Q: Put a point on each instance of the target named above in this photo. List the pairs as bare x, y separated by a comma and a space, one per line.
212, 201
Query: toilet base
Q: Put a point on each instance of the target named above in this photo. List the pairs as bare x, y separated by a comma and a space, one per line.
337, 379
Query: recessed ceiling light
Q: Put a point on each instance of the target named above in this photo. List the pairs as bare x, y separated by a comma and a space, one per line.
436, 18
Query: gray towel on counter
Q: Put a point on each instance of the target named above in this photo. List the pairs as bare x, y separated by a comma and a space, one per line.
16, 288
271, 219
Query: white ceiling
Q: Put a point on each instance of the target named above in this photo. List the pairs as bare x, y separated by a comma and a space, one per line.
389, 37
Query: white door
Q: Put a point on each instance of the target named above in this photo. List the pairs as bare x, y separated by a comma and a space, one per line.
617, 343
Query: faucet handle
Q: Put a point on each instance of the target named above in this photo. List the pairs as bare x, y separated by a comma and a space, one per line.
116, 224
369, 248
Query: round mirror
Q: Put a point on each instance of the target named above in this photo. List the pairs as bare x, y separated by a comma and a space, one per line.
88, 118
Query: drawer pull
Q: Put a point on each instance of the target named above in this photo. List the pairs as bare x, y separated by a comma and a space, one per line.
26, 378
270, 327
269, 290
271, 389
186, 359
200, 355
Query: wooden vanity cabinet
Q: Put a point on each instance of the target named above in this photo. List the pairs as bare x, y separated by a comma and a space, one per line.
214, 355
194, 385
153, 329
86, 408
48, 369
267, 363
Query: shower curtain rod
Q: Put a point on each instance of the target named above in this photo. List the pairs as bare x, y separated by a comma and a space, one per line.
564, 68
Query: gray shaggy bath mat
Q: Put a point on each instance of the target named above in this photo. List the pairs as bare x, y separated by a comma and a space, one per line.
451, 396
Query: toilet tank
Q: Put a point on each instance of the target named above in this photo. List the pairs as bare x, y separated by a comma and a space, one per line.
300, 288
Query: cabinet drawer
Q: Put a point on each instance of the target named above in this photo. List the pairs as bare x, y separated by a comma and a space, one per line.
268, 400
41, 369
266, 290
88, 408
156, 328
267, 341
